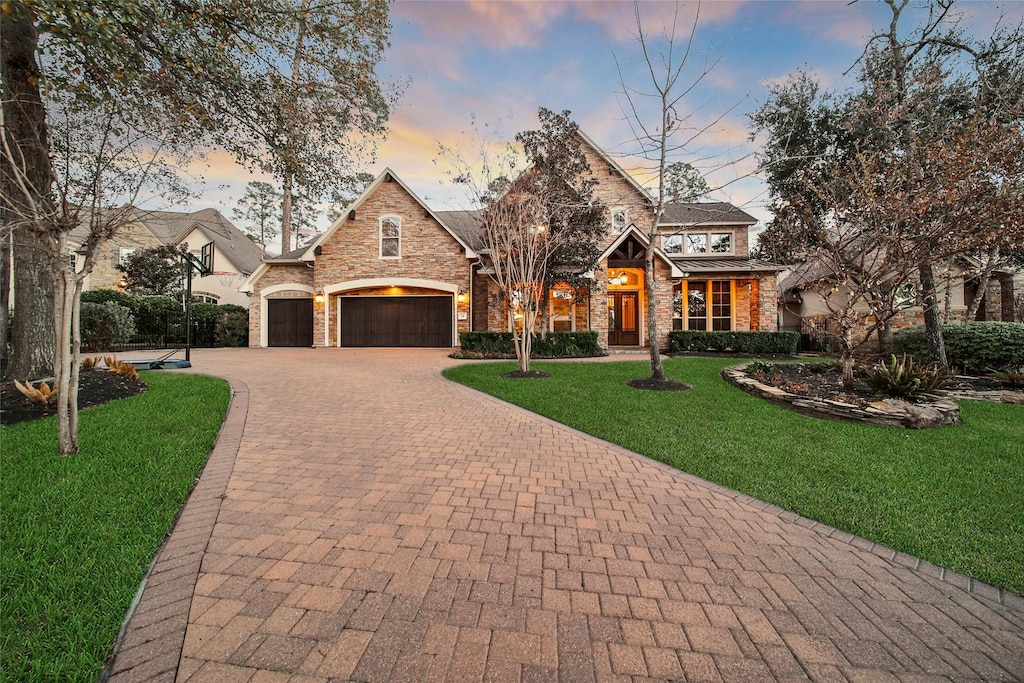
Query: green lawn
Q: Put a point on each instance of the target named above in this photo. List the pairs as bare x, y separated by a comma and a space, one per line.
78, 533
950, 495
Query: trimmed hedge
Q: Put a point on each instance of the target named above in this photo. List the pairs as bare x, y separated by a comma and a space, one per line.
974, 347
554, 345
681, 341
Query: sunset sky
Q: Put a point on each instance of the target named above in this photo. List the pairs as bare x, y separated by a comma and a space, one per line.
499, 60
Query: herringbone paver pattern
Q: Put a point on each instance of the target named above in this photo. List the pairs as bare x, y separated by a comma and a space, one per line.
382, 524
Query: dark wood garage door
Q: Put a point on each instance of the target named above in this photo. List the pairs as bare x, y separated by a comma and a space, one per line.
289, 322
396, 321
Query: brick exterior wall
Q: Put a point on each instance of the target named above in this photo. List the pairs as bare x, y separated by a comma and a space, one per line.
282, 274
428, 252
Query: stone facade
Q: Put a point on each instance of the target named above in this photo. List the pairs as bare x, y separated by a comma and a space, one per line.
105, 274
349, 261
284, 281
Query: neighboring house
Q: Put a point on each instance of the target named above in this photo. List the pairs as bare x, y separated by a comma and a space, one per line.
805, 292
393, 272
236, 256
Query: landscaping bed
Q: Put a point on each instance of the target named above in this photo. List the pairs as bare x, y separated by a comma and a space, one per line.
817, 389
95, 387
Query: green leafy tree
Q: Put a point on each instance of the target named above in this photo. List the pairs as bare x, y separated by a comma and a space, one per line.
159, 76
153, 271
258, 210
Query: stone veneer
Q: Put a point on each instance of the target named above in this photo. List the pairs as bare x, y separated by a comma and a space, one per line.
352, 252
279, 274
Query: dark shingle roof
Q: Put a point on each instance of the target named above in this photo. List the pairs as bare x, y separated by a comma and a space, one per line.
170, 227
466, 224
705, 213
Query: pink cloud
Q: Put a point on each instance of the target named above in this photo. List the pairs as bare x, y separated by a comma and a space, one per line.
503, 25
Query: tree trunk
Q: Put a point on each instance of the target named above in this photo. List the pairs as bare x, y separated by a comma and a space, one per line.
25, 182
5, 291
657, 371
932, 320
983, 279
286, 214
545, 311
847, 338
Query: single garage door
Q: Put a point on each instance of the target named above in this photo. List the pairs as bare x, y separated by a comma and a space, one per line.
396, 321
289, 322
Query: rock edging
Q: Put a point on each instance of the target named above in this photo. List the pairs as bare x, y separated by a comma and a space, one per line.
889, 413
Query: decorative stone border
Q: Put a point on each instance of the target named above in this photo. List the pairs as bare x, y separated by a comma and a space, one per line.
890, 412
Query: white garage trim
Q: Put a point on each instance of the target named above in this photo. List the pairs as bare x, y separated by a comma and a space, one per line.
274, 289
369, 283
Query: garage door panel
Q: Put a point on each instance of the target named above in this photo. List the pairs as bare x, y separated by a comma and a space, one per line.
289, 322
424, 321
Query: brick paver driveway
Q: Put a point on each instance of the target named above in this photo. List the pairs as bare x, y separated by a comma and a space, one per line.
381, 524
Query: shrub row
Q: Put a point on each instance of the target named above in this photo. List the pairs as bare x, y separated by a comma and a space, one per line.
110, 317
974, 347
554, 345
681, 341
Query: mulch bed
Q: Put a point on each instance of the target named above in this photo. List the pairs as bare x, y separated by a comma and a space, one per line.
804, 379
95, 387
651, 384
529, 374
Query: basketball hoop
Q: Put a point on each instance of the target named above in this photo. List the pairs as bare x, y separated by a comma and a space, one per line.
226, 278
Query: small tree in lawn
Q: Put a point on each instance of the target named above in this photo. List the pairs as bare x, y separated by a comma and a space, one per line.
98, 153
676, 67
519, 243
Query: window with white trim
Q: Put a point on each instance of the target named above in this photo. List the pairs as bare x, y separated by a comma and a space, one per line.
620, 219
672, 244
391, 237
124, 253
702, 243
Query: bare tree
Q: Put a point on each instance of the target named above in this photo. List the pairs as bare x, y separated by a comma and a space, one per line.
676, 64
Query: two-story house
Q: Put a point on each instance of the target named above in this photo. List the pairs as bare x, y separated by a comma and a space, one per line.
393, 272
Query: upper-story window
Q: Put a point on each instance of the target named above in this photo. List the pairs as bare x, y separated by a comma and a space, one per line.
124, 253
620, 219
672, 244
390, 237
698, 243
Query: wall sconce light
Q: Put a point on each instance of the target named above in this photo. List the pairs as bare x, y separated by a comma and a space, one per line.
318, 298
461, 297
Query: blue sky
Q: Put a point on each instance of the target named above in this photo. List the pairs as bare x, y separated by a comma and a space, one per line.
499, 60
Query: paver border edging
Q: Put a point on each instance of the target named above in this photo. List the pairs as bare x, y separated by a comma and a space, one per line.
973, 586
149, 645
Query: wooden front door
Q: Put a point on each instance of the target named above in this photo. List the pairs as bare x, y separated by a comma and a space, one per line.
623, 319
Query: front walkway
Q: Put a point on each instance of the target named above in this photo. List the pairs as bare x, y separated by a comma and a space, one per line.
379, 523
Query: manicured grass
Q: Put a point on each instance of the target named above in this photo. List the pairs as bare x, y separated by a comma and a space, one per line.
78, 533
950, 495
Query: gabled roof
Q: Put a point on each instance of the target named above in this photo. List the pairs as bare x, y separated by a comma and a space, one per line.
635, 232
466, 224
614, 165
705, 213
171, 227
387, 175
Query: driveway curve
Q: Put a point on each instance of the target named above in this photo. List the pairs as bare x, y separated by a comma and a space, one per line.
364, 519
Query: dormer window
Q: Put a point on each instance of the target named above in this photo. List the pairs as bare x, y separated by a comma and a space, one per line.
620, 219
390, 237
